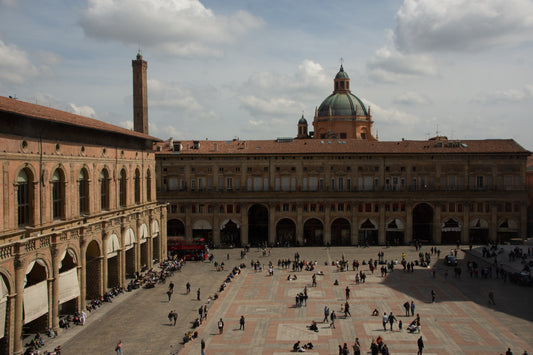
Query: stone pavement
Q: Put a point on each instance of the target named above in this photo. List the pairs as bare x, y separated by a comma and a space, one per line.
460, 322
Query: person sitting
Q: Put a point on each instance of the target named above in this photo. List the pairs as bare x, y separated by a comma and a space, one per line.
313, 326
296, 346
375, 312
336, 283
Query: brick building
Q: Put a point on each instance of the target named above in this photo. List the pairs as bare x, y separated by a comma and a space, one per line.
339, 185
79, 214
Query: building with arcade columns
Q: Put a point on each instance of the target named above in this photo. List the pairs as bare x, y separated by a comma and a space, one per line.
337, 184
79, 211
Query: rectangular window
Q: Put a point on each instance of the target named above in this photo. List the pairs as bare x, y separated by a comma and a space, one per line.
304, 184
313, 183
313, 207
277, 185
451, 207
348, 184
173, 208
229, 208
321, 185
340, 207
257, 184
285, 183
341, 184
193, 184
265, 184
368, 207
480, 182
229, 184
415, 184
173, 184
201, 184
285, 207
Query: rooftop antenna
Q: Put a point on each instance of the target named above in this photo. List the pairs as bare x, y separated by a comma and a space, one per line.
342, 61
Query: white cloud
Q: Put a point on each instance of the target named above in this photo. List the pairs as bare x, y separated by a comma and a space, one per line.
10, 3
506, 96
272, 106
86, 111
179, 27
462, 25
412, 98
15, 65
390, 65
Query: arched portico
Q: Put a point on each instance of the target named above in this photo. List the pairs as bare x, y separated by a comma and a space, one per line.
394, 232
93, 270
340, 232
368, 232
258, 225
451, 231
313, 232
286, 232
423, 222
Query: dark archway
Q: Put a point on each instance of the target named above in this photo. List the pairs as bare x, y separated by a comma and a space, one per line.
394, 232
313, 232
258, 225
451, 231
230, 235
423, 223
479, 231
340, 232
93, 271
368, 233
175, 228
286, 232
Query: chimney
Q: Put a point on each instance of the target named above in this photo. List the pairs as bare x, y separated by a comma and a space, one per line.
140, 95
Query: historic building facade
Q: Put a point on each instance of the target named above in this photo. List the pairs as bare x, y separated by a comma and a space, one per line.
79, 214
339, 185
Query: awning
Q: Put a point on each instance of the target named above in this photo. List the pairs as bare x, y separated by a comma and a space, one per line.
112, 246
451, 225
3, 305
479, 223
35, 301
155, 228
129, 239
69, 286
226, 221
144, 233
395, 224
202, 224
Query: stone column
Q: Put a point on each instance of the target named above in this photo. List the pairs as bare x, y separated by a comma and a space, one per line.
188, 223
55, 284
271, 223
163, 231
216, 224
19, 304
137, 244
355, 227
244, 225
299, 224
105, 237
381, 224
493, 225
10, 319
465, 228
523, 221
82, 268
408, 223
437, 229
327, 224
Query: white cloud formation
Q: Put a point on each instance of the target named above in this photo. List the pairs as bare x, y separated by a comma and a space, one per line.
179, 27
506, 96
272, 106
412, 98
462, 25
15, 65
86, 111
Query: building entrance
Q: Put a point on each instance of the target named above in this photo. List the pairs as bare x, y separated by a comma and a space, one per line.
423, 223
257, 225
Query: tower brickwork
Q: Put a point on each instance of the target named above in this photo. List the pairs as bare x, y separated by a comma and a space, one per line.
140, 95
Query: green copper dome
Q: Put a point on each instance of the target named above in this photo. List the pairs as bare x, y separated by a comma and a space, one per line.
342, 104
342, 74
302, 120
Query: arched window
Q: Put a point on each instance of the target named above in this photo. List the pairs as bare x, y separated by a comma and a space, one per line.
137, 186
122, 188
148, 186
83, 191
58, 195
104, 190
24, 198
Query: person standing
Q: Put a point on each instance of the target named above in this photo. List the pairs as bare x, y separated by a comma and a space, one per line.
412, 308
118, 348
333, 316
188, 287
220, 326
169, 294
356, 347
203, 346
347, 310
384, 320
347, 291
198, 294
420, 343
392, 318
241, 322
171, 286
326, 314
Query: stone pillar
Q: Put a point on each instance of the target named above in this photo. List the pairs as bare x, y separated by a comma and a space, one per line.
381, 224
188, 223
19, 304
244, 225
55, 285
437, 229
82, 268
216, 224
122, 255
163, 231
299, 224
355, 227
408, 222
271, 223
105, 237
49, 286
327, 224
523, 221
10, 320
101, 287
493, 225
465, 228
137, 244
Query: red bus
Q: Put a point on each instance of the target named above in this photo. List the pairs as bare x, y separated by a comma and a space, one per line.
187, 249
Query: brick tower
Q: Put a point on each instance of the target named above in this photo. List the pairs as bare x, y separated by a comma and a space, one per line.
140, 95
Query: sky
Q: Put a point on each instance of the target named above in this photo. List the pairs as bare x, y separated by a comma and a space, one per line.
249, 69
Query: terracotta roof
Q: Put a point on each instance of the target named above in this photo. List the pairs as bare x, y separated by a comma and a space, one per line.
39, 112
344, 146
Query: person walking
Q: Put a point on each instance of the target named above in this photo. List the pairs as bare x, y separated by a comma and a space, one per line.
412, 308
118, 348
198, 294
171, 286
169, 294
241, 322
392, 318
326, 314
356, 347
420, 343
407, 308
188, 286
174, 317
220, 326
347, 310
384, 320
333, 316
203, 346
347, 291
